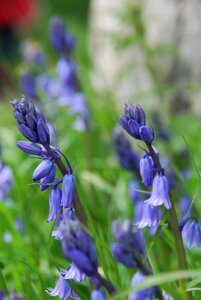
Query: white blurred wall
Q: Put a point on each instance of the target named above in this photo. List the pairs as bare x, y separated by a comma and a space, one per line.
125, 74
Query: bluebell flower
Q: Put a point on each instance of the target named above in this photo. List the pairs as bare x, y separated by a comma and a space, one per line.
43, 169
123, 256
98, 295
32, 53
185, 208
28, 85
191, 233
6, 181
73, 273
147, 169
63, 290
54, 203
149, 215
127, 158
133, 121
160, 193
66, 72
130, 247
19, 225
61, 40
143, 294
30, 148
31, 122
68, 190
45, 182
78, 247
1, 295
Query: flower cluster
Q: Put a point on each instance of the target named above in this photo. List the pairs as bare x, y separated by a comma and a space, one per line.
77, 245
152, 174
62, 89
134, 122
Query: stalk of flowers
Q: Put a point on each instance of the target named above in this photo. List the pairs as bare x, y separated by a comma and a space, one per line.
133, 122
130, 251
69, 91
77, 245
10, 296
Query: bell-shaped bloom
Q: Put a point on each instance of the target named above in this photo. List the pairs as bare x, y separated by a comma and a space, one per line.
29, 148
61, 40
149, 215
191, 233
130, 246
97, 295
31, 122
54, 203
6, 181
68, 190
43, 132
146, 134
73, 273
63, 290
43, 169
28, 133
133, 121
123, 256
160, 194
47, 181
147, 170
146, 294
1, 295
78, 247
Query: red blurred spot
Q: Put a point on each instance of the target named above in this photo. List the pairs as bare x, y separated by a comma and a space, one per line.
17, 12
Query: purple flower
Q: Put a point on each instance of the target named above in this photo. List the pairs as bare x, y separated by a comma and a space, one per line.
147, 169
6, 180
160, 194
97, 295
63, 290
1, 295
31, 122
78, 247
73, 273
68, 190
149, 215
55, 203
29, 148
130, 246
191, 233
146, 294
133, 121
43, 169
28, 85
123, 256
48, 180
127, 158
66, 71
60, 39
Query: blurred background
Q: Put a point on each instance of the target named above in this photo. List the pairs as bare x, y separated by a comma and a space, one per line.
141, 52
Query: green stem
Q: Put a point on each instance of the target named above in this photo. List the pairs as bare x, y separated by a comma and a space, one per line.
3, 286
181, 256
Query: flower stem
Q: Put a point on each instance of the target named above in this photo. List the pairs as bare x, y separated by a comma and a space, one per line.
80, 215
181, 257
3, 286
109, 287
